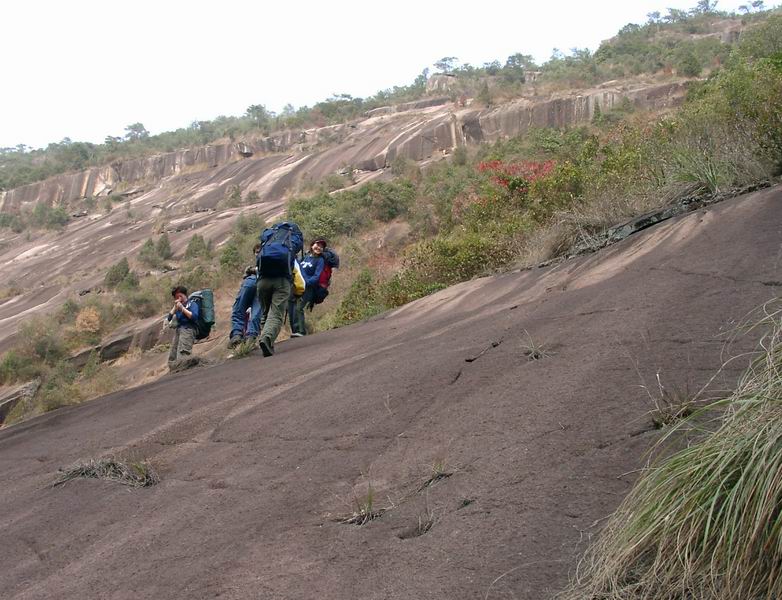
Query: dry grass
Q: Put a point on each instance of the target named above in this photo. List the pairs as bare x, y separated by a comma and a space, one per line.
704, 522
136, 474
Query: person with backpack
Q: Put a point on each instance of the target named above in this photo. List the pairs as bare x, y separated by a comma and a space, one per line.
279, 246
185, 311
297, 291
246, 299
316, 267
311, 268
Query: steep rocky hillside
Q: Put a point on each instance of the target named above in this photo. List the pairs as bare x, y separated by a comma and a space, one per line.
489, 427
180, 192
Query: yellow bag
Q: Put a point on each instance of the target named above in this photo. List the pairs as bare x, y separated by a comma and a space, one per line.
298, 280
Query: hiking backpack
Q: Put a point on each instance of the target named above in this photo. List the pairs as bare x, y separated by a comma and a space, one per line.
331, 262
279, 246
206, 312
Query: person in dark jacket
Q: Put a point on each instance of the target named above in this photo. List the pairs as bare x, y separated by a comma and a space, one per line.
279, 246
311, 267
246, 299
185, 312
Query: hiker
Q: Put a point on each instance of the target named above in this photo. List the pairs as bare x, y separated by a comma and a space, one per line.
185, 314
316, 268
297, 291
311, 268
246, 299
279, 246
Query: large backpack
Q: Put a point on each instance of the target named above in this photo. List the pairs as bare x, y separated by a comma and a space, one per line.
331, 260
279, 246
206, 312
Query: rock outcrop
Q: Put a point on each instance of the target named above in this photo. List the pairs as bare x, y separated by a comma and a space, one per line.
10, 399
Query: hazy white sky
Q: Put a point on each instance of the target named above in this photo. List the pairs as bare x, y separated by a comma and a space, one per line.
87, 68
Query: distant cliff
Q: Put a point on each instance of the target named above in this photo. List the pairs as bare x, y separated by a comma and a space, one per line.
416, 131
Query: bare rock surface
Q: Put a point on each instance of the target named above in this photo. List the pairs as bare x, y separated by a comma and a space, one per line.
261, 459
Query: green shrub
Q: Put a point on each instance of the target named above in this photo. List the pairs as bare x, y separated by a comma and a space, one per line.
148, 254
198, 248
361, 300
116, 273
163, 247
13, 222
250, 224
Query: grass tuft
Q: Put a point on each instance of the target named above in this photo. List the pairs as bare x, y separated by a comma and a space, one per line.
534, 350
365, 510
706, 522
244, 349
135, 474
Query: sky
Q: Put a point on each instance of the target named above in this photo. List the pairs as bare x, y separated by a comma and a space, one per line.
86, 69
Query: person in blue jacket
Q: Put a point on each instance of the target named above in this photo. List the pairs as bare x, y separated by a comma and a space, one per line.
311, 267
246, 298
185, 312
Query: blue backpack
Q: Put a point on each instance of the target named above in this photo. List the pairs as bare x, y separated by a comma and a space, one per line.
279, 246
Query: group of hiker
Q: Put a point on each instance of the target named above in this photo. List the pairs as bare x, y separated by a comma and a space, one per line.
278, 283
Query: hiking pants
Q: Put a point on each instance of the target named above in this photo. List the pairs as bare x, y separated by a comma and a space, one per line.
301, 304
273, 293
181, 344
246, 298
293, 318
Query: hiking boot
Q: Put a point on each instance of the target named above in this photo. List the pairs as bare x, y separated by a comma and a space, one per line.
297, 334
235, 340
266, 347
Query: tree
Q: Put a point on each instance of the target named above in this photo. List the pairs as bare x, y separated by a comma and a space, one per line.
446, 64
704, 7
136, 132
758, 5
521, 61
516, 65
164, 247
148, 254
197, 247
259, 115
116, 273
675, 15
654, 17
484, 95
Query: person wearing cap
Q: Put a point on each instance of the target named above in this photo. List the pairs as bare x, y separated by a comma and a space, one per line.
311, 267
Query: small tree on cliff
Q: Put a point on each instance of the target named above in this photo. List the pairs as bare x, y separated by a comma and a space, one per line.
136, 132
258, 114
446, 64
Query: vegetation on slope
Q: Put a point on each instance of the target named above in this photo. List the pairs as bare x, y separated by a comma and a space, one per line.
533, 198
704, 522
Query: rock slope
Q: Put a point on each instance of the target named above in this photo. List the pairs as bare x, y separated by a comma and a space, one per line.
497, 422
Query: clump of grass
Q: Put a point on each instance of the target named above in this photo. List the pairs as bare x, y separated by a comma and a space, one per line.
534, 350
134, 474
365, 510
439, 472
671, 405
706, 521
424, 523
244, 349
